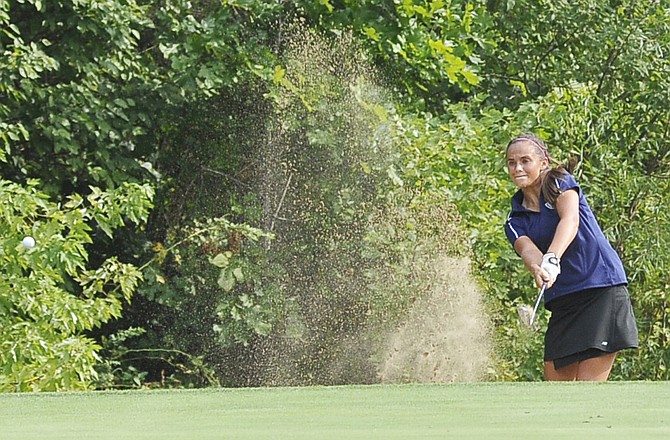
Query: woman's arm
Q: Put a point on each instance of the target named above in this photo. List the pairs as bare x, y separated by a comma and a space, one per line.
567, 205
532, 258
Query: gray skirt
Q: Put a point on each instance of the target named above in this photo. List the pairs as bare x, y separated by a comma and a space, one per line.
588, 324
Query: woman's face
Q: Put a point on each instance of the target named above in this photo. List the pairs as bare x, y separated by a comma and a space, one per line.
524, 164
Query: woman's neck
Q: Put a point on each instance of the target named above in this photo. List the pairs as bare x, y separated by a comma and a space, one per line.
531, 199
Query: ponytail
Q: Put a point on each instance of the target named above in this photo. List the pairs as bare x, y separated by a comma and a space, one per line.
550, 187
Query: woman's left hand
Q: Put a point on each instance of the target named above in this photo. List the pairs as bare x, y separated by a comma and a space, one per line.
551, 264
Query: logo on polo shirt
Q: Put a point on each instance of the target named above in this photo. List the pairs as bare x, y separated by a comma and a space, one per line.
548, 205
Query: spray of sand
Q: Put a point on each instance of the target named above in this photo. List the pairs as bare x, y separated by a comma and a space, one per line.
445, 335
325, 338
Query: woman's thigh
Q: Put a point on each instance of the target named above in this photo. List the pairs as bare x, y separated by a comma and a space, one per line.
592, 369
597, 368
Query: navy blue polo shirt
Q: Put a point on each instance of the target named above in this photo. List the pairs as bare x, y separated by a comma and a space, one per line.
589, 262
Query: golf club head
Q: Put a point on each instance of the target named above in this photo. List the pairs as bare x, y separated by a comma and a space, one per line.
525, 312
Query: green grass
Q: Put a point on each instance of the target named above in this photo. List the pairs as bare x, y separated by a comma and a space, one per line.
613, 410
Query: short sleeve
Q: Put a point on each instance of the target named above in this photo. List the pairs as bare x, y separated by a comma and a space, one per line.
513, 230
567, 182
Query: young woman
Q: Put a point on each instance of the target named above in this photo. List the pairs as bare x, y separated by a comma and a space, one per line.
554, 231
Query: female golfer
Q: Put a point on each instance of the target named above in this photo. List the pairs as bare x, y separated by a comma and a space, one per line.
554, 231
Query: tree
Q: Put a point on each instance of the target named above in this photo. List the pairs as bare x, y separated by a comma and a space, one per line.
85, 86
50, 294
181, 95
589, 77
430, 52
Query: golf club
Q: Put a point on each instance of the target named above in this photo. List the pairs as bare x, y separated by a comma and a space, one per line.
527, 315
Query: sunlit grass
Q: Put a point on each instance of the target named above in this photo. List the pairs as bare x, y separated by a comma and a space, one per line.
624, 410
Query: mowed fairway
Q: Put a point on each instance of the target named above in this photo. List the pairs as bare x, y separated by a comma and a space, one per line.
614, 410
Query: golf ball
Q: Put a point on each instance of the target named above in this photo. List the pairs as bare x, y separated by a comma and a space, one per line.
28, 241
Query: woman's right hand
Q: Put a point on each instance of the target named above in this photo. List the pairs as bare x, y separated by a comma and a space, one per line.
541, 277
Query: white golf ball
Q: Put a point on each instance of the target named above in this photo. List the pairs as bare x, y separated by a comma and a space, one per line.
28, 241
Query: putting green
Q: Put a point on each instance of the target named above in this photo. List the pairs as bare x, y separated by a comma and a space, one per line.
613, 410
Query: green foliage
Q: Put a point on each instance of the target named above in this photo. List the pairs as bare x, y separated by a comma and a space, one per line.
462, 151
87, 88
209, 288
84, 84
431, 49
211, 102
117, 368
607, 115
49, 295
69, 75
412, 228
316, 167
210, 46
246, 303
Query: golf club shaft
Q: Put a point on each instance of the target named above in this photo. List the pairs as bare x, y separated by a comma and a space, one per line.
537, 302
